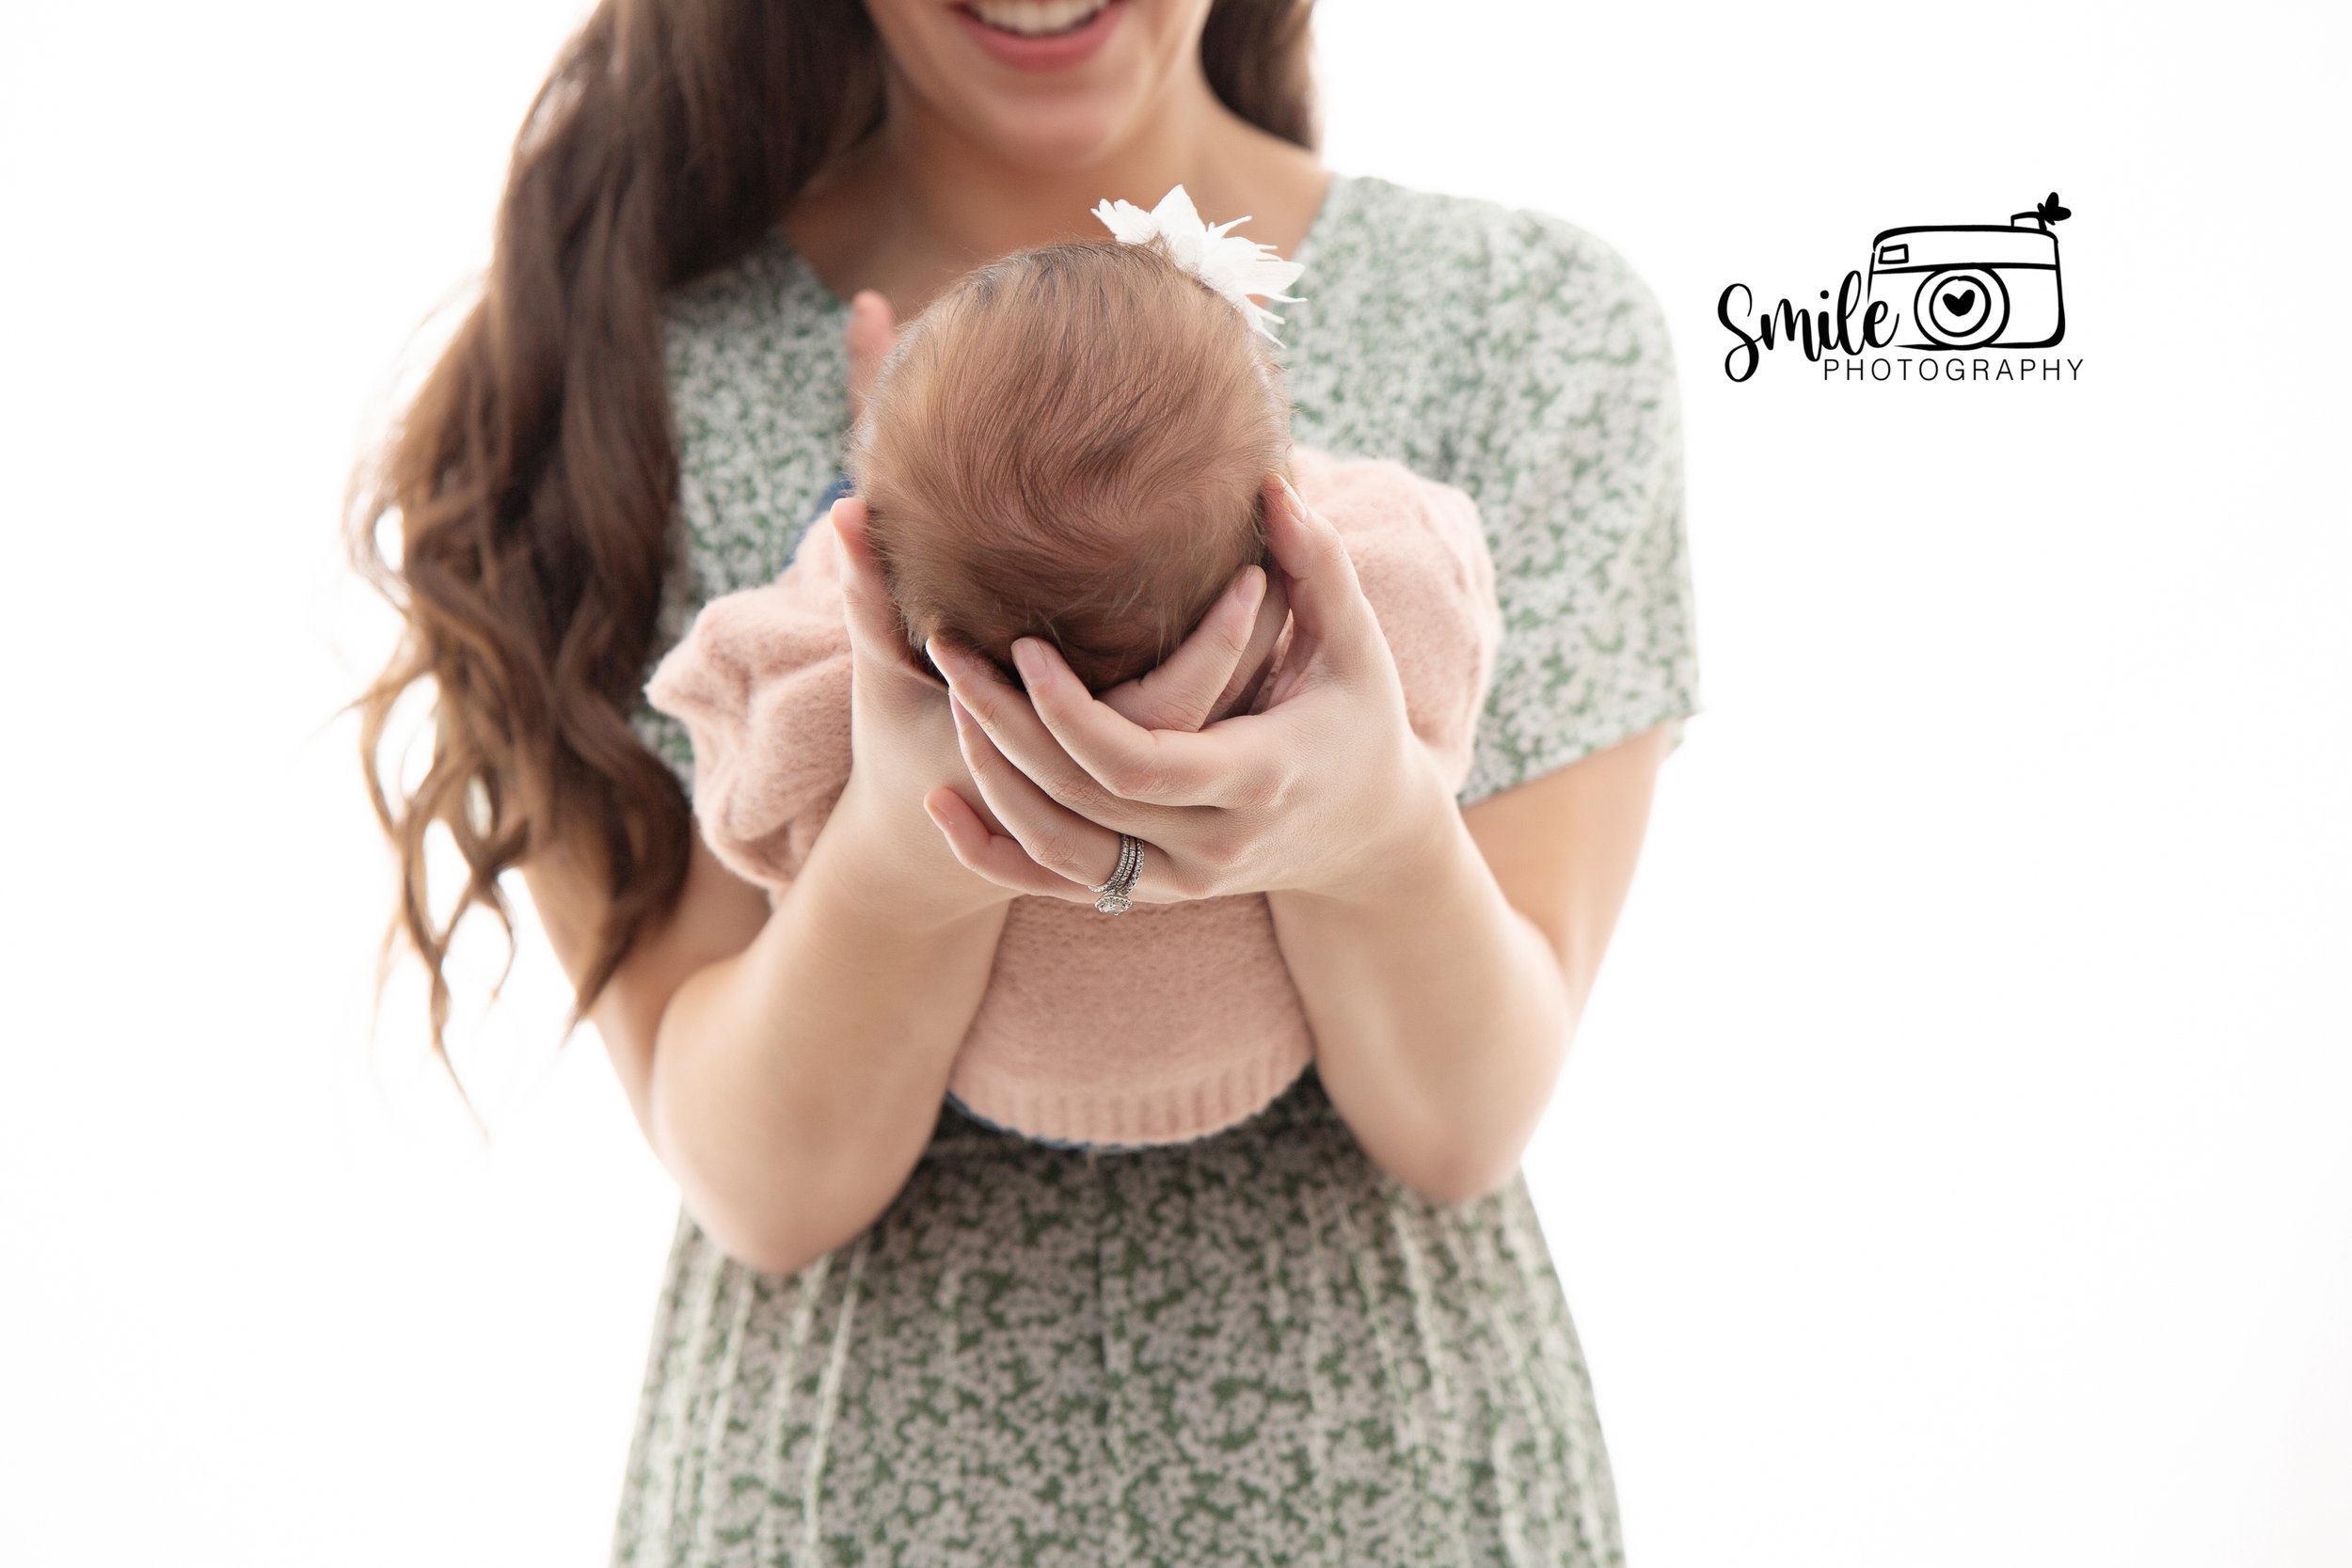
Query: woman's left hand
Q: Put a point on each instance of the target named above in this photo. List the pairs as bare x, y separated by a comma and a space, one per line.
1320, 792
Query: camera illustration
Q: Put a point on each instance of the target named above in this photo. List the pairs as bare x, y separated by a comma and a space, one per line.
1984, 285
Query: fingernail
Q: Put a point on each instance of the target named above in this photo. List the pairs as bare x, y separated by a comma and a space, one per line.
1026, 659
1252, 588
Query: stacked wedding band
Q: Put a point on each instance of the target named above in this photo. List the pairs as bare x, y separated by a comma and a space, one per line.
1113, 896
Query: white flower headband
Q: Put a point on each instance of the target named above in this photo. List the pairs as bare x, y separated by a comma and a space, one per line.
1234, 267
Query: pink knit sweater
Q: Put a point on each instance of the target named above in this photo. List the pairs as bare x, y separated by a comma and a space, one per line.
1168, 1022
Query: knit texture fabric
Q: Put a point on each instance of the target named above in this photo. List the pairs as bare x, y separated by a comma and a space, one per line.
1164, 1024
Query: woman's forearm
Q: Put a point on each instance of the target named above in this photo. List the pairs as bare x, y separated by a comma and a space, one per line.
1441, 1014
795, 1085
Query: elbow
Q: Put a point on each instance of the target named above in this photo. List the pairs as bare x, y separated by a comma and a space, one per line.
1453, 1170
756, 1235
1466, 1181
768, 1238
780, 1242
761, 1253
765, 1237
777, 1218
1477, 1159
757, 1245
1453, 1153
1476, 1152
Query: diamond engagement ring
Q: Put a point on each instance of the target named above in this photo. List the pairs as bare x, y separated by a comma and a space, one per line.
1113, 896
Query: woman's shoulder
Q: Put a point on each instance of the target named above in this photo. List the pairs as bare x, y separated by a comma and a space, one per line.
1483, 259
1437, 328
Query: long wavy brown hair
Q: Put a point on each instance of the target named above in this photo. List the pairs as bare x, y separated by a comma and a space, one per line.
534, 474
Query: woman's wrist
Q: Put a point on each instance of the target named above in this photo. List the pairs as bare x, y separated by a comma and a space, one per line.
1402, 849
901, 870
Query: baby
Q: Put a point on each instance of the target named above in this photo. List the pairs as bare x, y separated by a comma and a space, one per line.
1070, 444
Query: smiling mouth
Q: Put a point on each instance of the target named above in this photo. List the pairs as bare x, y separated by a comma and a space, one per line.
1035, 19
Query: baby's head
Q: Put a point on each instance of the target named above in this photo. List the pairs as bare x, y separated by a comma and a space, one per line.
1071, 444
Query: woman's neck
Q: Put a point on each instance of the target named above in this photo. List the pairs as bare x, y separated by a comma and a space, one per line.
920, 203
963, 200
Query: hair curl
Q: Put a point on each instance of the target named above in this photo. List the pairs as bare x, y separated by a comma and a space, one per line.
534, 474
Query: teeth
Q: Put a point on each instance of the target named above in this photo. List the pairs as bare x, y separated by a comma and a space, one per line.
1036, 18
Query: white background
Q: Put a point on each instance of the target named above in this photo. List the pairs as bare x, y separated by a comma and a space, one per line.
1953, 1168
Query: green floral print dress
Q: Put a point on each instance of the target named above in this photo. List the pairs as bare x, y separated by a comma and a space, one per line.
1256, 1348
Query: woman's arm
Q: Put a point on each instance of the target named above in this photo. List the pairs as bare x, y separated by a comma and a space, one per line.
1573, 450
1442, 960
787, 1065
797, 1083
787, 1070
727, 1024
1444, 989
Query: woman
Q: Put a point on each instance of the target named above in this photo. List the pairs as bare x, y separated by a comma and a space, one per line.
891, 1333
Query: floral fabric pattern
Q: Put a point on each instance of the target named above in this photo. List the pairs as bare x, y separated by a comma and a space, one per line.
1256, 1347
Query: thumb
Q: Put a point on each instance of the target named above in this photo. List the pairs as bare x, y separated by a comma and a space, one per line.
1332, 623
871, 333
875, 629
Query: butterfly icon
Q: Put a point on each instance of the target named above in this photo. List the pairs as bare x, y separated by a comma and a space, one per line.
2050, 212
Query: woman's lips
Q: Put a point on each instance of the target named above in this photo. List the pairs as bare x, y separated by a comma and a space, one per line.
1057, 52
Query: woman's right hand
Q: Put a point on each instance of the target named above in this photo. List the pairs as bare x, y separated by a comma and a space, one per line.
902, 747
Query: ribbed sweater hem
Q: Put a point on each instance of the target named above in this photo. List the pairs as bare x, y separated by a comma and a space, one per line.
1162, 1114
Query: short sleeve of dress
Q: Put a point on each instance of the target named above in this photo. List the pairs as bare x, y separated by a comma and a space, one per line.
1574, 454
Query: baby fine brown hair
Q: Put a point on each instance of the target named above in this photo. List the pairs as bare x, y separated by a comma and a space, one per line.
1071, 444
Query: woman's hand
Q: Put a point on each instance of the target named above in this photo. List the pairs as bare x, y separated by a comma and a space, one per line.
1321, 792
902, 741
870, 334
902, 747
